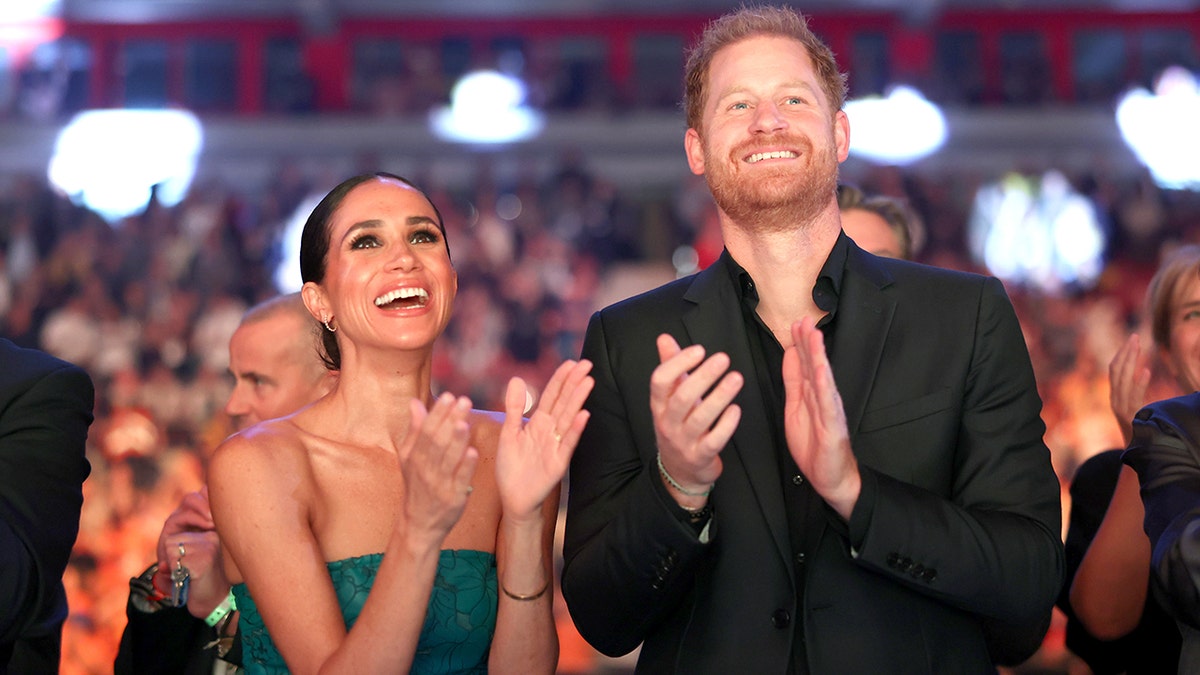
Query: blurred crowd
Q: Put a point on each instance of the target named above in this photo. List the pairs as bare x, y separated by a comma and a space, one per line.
147, 305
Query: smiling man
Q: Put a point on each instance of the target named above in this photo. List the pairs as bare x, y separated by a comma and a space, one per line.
806, 458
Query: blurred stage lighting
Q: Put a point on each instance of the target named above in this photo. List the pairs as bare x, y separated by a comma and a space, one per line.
110, 160
899, 129
1037, 231
24, 26
287, 269
1163, 128
486, 107
12, 11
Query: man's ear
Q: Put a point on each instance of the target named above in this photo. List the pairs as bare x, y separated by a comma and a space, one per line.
694, 149
841, 135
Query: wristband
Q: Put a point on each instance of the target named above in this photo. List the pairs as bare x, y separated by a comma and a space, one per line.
227, 605
667, 477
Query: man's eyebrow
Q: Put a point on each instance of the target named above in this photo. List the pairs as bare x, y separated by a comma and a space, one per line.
791, 84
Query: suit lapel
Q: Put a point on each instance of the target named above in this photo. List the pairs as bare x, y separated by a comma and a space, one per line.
715, 321
864, 318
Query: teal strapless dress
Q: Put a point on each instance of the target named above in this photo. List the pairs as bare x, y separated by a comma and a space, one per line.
459, 621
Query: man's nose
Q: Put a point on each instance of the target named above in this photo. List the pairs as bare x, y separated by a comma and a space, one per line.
768, 118
238, 407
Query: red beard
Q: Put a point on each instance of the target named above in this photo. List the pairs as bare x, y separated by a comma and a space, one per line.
774, 197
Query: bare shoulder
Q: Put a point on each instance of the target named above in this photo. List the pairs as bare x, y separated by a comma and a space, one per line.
275, 446
485, 431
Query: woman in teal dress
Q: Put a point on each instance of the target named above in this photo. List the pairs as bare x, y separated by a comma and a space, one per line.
383, 529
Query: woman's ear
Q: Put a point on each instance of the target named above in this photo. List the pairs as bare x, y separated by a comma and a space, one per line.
314, 301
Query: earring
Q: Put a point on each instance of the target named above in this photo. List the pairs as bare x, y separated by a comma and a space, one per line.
329, 328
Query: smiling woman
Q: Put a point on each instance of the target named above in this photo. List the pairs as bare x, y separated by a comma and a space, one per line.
410, 559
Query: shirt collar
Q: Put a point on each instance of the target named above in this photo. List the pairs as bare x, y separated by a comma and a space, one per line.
826, 290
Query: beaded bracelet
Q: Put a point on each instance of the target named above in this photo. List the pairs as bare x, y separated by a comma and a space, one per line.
227, 605
671, 481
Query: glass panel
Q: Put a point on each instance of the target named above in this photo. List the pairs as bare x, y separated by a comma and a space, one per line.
959, 64
210, 75
1024, 69
287, 88
1098, 59
1162, 47
144, 74
869, 69
378, 78
583, 75
658, 71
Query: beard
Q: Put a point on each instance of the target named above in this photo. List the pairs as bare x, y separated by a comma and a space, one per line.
774, 198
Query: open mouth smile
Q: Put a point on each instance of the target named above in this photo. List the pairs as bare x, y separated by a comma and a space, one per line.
403, 298
774, 154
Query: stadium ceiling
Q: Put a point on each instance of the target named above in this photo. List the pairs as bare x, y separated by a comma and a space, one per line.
325, 11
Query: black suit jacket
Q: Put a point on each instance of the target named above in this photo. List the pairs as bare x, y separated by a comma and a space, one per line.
955, 535
45, 411
168, 642
1153, 646
1165, 452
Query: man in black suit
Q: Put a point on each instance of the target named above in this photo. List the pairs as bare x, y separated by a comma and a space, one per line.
45, 411
806, 458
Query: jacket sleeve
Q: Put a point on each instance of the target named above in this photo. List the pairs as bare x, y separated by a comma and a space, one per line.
628, 558
1165, 454
985, 535
43, 434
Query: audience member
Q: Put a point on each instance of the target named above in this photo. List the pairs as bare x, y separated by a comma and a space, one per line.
369, 499
880, 224
740, 501
273, 357
45, 412
1112, 623
1165, 453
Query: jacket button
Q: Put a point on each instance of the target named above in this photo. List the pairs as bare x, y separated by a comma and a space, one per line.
797, 480
893, 560
801, 558
930, 575
781, 618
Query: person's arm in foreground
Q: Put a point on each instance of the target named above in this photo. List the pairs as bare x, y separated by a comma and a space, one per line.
531, 461
1108, 592
629, 552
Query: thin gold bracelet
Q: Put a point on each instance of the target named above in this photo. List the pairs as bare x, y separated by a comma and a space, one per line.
526, 598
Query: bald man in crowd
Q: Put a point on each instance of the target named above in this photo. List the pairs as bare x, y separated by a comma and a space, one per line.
274, 360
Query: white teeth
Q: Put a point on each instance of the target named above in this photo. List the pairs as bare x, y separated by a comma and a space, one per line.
778, 154
401, 294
